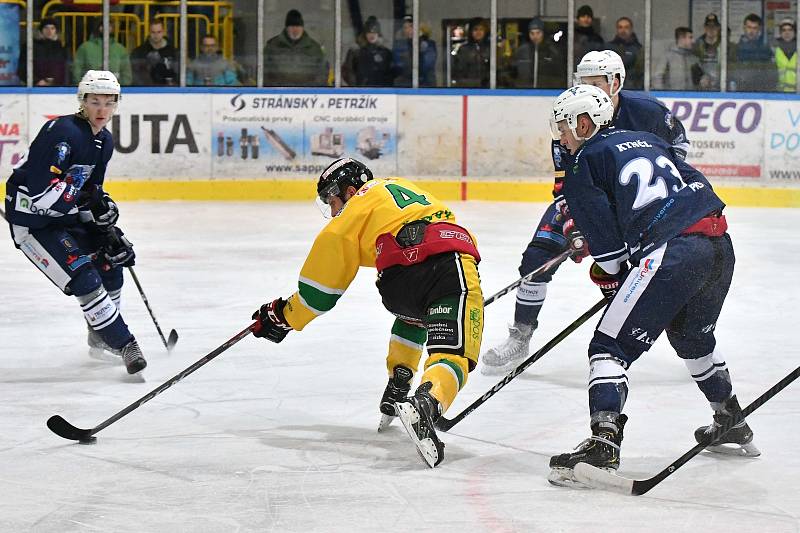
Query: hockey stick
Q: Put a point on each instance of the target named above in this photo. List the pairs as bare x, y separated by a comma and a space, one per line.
170, 342
64, 429
555, 261
603, 479
445, 424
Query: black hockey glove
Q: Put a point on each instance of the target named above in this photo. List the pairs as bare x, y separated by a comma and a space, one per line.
609, 283
271, 324
117, 250
576, 240
96, 206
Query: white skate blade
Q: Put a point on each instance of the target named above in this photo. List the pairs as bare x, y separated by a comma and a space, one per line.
426, 448
385, 422
741, 450
564, 477
488, 370
103, 355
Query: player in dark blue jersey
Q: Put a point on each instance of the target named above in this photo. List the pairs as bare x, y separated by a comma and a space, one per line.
633, 111
64, 222
634, 201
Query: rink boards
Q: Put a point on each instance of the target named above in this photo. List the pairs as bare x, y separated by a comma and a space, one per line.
199, 144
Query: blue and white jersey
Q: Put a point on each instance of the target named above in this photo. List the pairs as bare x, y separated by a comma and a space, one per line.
635, 111
64, 158
629, 194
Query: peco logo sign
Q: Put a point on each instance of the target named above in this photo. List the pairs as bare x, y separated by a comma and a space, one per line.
720, 116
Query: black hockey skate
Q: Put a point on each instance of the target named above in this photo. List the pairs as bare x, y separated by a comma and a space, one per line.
737, 441
600, 450
418, 413
132, 357
396, 390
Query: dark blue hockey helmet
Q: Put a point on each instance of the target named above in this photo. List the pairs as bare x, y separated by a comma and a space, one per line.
339, 175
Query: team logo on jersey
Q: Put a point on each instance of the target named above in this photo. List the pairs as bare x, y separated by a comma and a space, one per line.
62, 151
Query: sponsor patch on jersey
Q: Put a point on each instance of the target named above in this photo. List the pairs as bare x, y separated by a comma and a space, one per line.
445, 309
54, 169
67, 244
76, 261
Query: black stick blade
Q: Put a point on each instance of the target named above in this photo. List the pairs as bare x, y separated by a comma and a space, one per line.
172, 340
65, 430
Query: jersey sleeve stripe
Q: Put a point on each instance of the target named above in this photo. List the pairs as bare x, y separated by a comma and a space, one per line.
317, 301
319, 286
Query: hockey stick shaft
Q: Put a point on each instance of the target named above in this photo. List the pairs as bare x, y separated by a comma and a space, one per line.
555, 261
150, 310
64, 429
641, 487
445, 424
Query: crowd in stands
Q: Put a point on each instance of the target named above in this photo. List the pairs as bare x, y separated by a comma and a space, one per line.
295, 58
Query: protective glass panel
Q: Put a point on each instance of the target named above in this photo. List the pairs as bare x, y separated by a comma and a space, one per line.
686, 46
13, 57
532, 52
761, 46
616, 25
456, 37
299, 43
372, 33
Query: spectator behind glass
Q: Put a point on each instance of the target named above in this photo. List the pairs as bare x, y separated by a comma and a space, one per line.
155, 61
402, 50
586, 39
49, 56
89, 55
627, 45
292, 58
471, 62
785, 50
537, 62
210, 68
678, 69
368, 63
754, 66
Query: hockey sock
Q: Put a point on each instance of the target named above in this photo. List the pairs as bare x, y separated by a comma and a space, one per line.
116, 297
448, 374
608, 383
530, 298
405, 346
103, 317
712, 376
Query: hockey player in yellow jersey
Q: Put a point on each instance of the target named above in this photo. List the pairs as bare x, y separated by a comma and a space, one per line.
427, 277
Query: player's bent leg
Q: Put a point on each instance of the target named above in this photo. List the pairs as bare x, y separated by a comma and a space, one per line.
454, 321
104, 319
547, 243
445, 374
405, 351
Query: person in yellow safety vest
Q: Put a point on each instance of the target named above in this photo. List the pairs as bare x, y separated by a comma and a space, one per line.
785, 50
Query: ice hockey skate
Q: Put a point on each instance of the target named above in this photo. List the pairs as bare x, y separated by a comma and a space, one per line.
132, 357
418, 413
98, 349
396, 390
505, 357
600, 450
737, 441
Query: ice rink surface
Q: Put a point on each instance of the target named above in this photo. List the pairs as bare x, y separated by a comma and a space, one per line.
283, 437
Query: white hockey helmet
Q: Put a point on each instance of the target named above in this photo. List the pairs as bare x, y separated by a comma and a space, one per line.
98, 82
603, 63
578, 100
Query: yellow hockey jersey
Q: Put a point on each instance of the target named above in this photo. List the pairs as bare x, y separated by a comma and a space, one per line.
348, 242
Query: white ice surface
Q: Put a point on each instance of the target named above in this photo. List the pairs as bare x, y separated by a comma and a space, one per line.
282, 437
